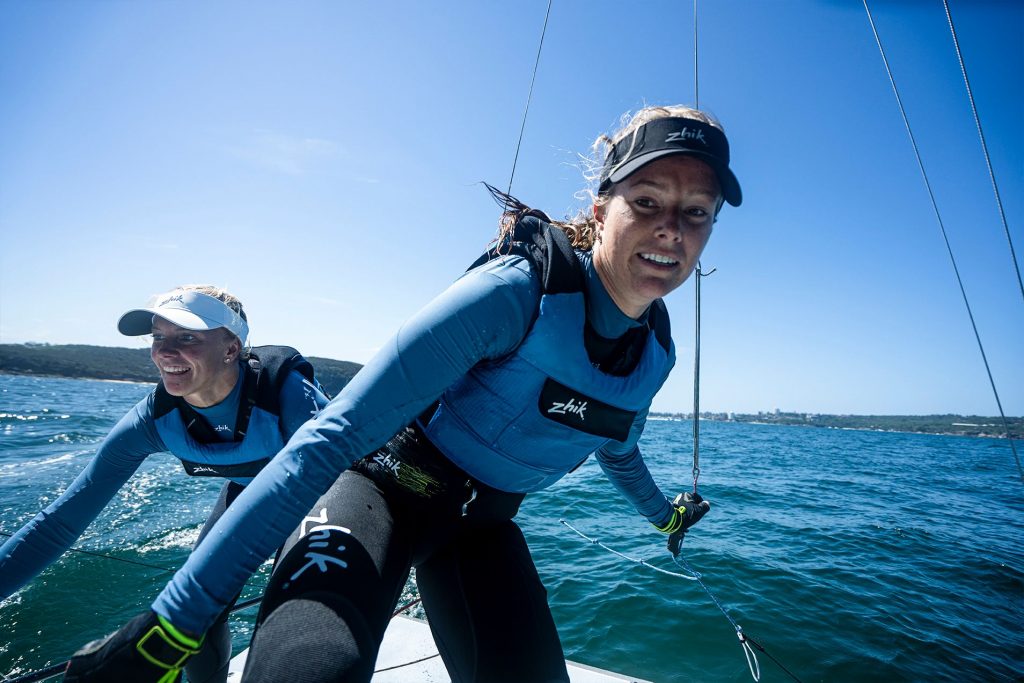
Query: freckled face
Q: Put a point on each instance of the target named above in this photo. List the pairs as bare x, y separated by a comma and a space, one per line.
653, 229
199, 366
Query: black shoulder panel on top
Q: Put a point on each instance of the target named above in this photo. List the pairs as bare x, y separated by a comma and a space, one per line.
547, 249
658, 320
553, 259
269, 366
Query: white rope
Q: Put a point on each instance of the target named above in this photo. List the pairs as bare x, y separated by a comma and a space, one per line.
693, 575
689, 577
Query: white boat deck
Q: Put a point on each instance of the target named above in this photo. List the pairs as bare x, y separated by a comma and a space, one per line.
408, 655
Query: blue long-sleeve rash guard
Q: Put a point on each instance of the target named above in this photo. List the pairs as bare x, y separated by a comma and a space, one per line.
483, 315
50, 533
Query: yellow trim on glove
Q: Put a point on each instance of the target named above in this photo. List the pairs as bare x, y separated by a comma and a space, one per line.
178, 642
181, 637
674, 524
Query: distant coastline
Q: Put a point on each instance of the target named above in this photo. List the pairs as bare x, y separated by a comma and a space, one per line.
115, 364
949, 425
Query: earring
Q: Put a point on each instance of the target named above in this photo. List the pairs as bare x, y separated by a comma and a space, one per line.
227, 360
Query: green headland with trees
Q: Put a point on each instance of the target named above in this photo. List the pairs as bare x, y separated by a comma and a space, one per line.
131, 365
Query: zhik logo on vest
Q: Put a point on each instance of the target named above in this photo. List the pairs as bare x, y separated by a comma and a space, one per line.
570, 407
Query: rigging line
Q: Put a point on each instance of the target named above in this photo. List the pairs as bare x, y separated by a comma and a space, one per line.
644, 563
984, 147
110, 557
696, 378
56, 669
767, 654
694, 575
745, 640
246, 603
748, 652
698, 273
529, 97
945, 237
51, 671
415, 661
41, 675
696, 375
411, 603
696, 89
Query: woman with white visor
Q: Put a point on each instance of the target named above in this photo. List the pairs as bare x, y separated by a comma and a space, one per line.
220, 407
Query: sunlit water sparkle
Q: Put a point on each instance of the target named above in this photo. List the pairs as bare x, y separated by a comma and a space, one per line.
850, 556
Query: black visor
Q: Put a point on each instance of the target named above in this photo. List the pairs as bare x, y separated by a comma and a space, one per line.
667, 136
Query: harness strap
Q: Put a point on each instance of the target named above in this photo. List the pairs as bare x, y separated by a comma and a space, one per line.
201, 431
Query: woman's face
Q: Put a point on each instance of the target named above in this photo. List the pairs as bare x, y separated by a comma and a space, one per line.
198, 366
653, 228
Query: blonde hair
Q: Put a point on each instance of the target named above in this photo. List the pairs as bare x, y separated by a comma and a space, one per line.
581, 229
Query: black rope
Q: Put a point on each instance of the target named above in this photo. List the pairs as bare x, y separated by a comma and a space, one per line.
945, 237
411, 603
110, 557
415, 661
246, 603
56, 669
51, 671
984, 148
529, 97
40, 675
779, 664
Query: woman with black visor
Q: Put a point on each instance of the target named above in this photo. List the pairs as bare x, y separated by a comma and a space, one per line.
551, 348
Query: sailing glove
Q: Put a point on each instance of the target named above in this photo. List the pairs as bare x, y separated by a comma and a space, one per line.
687, 509
148, 649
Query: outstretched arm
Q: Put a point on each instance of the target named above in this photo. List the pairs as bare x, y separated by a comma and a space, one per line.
50, 533
625, 467
483, 315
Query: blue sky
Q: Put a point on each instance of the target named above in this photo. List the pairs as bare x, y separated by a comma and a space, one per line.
321, 160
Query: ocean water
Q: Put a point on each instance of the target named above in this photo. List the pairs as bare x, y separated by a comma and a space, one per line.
850, 556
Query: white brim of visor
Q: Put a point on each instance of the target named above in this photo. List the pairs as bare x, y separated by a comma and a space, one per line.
188, 309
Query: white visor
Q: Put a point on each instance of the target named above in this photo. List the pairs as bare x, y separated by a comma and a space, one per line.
185, 308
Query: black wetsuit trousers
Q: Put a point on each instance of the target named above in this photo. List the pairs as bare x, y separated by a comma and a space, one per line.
211, 664
340, 575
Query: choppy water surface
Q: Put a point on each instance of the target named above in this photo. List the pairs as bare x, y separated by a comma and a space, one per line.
850, 556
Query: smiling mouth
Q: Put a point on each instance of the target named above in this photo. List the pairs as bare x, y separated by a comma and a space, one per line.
658, 259
173, 369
